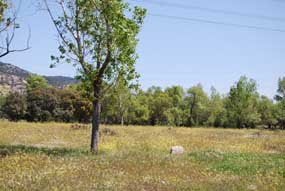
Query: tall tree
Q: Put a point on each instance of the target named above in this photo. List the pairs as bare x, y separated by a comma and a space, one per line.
242, 104
216, 109
99, 37
175, 113
280, 98
117, 102
197, 101
159, 103
281, 90
138, 111
267, 111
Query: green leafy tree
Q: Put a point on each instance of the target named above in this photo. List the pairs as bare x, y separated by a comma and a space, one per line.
2, 100
175, 113
174, 116
216, 110
176, 93
281, 90
280, 98
15, 106
196, 102
81, 103
65, 108
280, 113
36, 82
117, 102
99, 37
72, 106
52, 104
42, 104
159, 103
138, 112
41, 99
242, 104
267, 111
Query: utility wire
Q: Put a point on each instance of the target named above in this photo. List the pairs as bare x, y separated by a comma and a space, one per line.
219, 11
217, 22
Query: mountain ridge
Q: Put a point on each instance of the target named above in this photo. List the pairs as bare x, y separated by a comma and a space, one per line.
13, 79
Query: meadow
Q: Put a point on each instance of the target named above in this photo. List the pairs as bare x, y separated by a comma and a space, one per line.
54, 156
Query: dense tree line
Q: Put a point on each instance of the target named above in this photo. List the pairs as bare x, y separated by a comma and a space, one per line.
242, 107
42, 102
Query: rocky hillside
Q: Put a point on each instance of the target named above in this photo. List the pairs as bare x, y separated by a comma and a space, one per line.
13, 78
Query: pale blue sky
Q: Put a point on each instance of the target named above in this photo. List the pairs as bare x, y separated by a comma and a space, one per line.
174, 52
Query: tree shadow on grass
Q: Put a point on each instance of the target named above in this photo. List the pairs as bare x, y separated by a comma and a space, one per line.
6, 150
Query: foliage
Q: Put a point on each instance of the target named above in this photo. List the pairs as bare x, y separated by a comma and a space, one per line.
100, 39
116, 103
216, 110
175, 113
172, 106
158, 102
51, 104
105, 39
138, 112
36, 82
267, 111
281, 114
41, 104
2, 100
197, 101
241, 104
15, 107
281, 90
280, 97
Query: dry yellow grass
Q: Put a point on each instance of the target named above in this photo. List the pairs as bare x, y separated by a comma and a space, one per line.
52, 156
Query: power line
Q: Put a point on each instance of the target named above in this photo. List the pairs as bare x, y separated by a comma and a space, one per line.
219, 11
217, 22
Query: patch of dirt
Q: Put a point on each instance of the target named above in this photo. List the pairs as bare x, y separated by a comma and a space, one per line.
256, 135
4, 153
79, 126
108, 132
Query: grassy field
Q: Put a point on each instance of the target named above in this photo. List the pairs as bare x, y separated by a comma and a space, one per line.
53, 156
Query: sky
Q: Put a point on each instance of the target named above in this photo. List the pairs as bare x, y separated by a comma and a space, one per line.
181, 52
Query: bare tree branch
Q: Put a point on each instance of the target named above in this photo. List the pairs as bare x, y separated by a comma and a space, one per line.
9, 41
9, 28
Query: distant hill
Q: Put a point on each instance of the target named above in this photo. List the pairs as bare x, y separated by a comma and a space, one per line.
10, 69
13, 78
60, 81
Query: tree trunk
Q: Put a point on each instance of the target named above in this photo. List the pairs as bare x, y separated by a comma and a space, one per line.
96, 119
122, 120
95, 126
121, 110
192, 105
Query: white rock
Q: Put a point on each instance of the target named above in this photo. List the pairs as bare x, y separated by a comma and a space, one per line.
177, 150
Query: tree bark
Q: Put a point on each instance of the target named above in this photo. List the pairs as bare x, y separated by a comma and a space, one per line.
192, 105
96, 119
122, 120
95, 126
